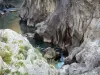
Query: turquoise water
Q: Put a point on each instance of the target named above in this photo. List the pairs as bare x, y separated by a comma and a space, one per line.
59, 65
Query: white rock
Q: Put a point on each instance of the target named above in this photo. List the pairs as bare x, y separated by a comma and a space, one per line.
24, 58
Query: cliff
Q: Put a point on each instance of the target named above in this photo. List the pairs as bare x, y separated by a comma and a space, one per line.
71, 24
62, 22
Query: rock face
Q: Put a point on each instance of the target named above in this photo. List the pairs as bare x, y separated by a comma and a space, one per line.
87, 55
51, 19
74, 25
18, 57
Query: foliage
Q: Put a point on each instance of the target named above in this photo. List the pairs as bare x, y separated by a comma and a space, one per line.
5, 39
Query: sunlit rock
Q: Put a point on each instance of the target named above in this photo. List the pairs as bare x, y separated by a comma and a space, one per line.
18, 57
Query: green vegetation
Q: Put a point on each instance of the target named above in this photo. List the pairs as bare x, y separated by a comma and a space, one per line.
8, 48
19, 64
7, 57
51, 66
5, 39
20, 41
23, 50
18, 73
20, 56
7, 71
14, 42
26, 74
6, 54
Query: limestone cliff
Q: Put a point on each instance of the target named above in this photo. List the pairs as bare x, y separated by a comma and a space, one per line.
74, 25
63, 22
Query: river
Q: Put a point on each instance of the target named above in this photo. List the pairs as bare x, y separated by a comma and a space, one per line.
10, 21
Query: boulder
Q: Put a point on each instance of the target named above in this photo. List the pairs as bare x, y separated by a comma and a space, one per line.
18, 57
49, 54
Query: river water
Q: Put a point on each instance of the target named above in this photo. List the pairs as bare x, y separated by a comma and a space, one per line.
10, 21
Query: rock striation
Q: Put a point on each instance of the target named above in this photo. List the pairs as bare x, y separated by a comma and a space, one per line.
74, 25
